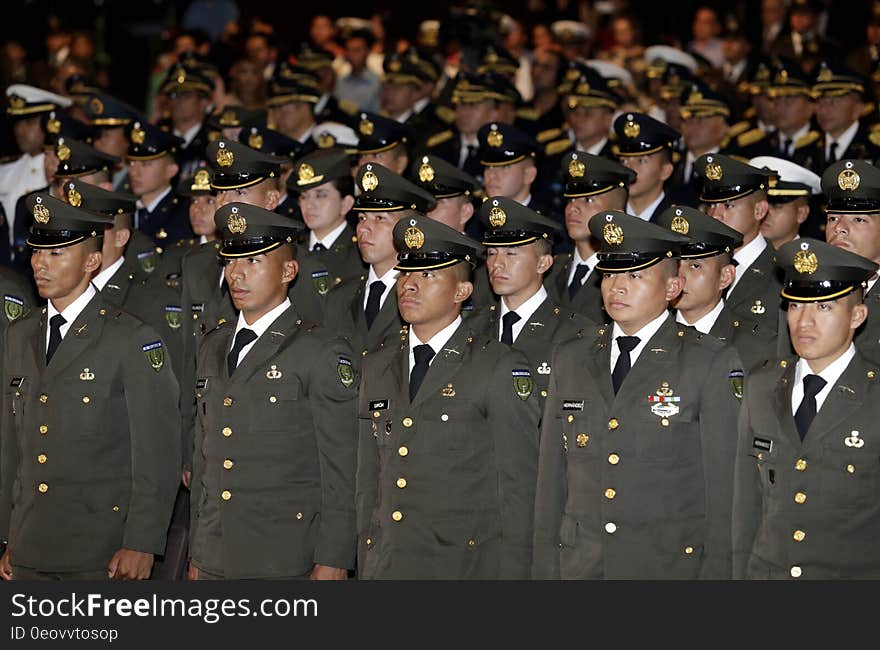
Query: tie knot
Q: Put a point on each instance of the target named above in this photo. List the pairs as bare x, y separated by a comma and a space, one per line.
627, 343
319, 247
510, 319
813, 385
377, 287
57, 321
423, 353
244, 336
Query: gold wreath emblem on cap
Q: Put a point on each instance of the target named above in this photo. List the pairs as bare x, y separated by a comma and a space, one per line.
306, 173
53, 126
225, 158
74, 198
576, 168
41, 213
236, 223
63, 152
394, 66
613, 234
326, 140
825, 74
137, 134
201, 181
572, 74
367, 127
255, 141
495, 139
414, 238
96, 106
228, 118
181, 77
369, 182
17, 102
805, 261
631, 129
848, 179
680, 225
714, 172
497, 217
426, 173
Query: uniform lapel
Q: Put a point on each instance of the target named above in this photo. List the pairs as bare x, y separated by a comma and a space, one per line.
445, 364
847, 395
562, 279
81, 333
117, 287
782, 403
659, 352
598, 364
384, 319
266, 346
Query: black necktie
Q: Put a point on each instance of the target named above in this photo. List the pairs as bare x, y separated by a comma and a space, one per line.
318, 247
803, 417
832, 154
55, 324
509, 319
578, 280
626, 344
140, 218
423, 354
374, 300
787, 145
242, 338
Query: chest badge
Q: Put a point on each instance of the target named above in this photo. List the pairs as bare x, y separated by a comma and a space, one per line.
273, 373
854, 441
664, 401
758, 308
86, 375
448, 391
543, 369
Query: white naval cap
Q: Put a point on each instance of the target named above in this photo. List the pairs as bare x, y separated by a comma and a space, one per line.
670, 55
334, 134
570, 31
611, 71
30, 100
788, 173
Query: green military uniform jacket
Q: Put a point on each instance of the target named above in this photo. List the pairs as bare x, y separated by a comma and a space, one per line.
756, 295
587, 300
445, 484
638, 485
868, 335
18, 298
345, 312
329, 269
811, 508
753, 342
90, 444
276, 453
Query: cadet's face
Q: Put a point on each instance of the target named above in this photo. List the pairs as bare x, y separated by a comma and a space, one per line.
201, 214
792, 112
28, 135
765, 108
188, 107
425, 297
112, 142
516, 270
258, 284
836, 114
375, 236
633, 299
509, 180
394, 159
701, 133
454, 211
651, 172
589, 124
323, 207
704, 280
291, 118
397, 98
740, 214
578, 212
263, 195
148, 176
783, 220
61, 274
857, 233
469, 117
545, 70
822, 331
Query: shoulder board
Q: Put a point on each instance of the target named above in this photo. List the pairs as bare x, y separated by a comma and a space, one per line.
869, 108
874, 137
557, 147
439, 138
739, 127
750, 137
527, 113
445, 113
807, 139
549, 134
347, 106
750, 112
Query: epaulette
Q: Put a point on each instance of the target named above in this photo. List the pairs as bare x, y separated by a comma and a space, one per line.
807, 139
527, 113
549, 134
750, 137
874, 127
874, 137
869, 108
439, 138
557, 147
446, 114
738, 128
348, 107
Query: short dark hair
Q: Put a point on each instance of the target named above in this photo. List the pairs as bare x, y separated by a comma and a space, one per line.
365, 34
344, 185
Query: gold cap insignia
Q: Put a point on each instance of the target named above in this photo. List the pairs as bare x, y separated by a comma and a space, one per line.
255, 141
41, 212
228, 118
825, 74
394, 66
576, 168
680, 225
497, 217
367, 127
426, 173
848, 180
225, 158
326, 140
572, 74
369, 181
53, 126
613, 234
236, 223
74, 198
805, 261
495, 139
695, 98
413, 238
201, 181
714, 172
137, 134
306, 173
63, 152
17, 102
96, 106
631, 129
772, 181
181, 77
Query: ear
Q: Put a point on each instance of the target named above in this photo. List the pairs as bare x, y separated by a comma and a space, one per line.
347, 204
544, 263
666, 170
531, 173
288, 273
93, 261
171, 171
272, 198
463, 291
465, 214
674, 286
106, 185
761, 209
728, 275
803, 212
121, 237
859, 314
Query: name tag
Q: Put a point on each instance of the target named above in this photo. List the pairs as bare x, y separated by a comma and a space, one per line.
572, 405
762, 444
199, 306
320, 274
202, 384
379, 405
16, 382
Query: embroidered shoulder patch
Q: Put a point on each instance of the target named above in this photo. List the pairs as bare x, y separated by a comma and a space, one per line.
345, 371
13, 307
522, 383
736, 383
155, 354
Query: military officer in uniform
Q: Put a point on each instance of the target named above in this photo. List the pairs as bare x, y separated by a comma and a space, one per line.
789, 198
736, 194
448, 430
189, 89
275, 431
89, 473
635, 477
109, 116
707, 268
592, 184
384, 141
276, 143
518, 242
806, 496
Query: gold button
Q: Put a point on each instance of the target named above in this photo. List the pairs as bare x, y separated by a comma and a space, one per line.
444, 417
472, 542
195, 317
799, 535
610, 527
796, 572
610, 493
227, 401
272, 399
226, 495
571, 418
226, 432
299, 515
871, 374
800, 465
543, 393
688, 550
41, 459
783, 364
42, 487
376, 414
115, 508
397, 515
613, 424
800, 497
86, 399
403, 451
407, 422
227, 464
44, 398
44, 429
401, 483
760, 455
369, 541
103, 312
851, 469
614, 459
664, 422
582, 439
681, 333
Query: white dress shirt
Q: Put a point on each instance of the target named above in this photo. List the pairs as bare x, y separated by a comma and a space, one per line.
525, 312
437, 342
705, 323
596, 149
329, 239
104, 276
577, 259
797, 135
389, 280
843, 141
831, 374
189, 134
259, 327
647, 213
463, 152
644, 335
154, 202
18, 178
70, 313
745, 257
